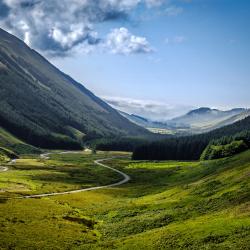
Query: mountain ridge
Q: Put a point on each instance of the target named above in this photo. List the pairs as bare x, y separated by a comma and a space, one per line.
205, 119
200, 120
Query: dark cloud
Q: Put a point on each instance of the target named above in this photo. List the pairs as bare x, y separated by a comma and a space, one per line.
4, 10
28, 4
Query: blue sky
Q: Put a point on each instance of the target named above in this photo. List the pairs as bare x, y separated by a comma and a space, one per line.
174, 54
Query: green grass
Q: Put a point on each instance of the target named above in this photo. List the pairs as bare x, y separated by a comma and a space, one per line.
60, 173
166, 205
3, 158
11, 142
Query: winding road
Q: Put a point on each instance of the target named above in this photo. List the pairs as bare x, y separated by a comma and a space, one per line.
4, 169
125, 179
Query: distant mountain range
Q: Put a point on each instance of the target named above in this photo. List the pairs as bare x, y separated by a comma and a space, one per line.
196, 121
47, 108
206, 119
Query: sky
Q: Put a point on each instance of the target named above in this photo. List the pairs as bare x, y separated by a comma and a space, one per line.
157, 58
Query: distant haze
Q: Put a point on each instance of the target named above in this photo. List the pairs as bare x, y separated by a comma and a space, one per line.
157, 111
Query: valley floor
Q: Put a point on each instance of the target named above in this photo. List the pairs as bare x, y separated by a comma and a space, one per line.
166, 205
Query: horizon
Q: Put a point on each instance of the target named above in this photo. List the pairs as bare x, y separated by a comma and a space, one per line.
170, 56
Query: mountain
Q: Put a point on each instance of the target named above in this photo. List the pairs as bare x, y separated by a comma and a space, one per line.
234, 118
206, 119
194, 122
47, 108
156, 126
141, 121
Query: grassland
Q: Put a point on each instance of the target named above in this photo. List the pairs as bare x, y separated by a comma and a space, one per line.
62, 172
166, 205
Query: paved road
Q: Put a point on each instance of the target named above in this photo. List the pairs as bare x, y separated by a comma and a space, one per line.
125, 179
4, 169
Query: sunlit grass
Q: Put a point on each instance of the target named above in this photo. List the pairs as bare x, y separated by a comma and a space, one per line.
60, 173
166, 205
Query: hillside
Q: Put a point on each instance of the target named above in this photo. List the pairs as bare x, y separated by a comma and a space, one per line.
139, 120
10, 142
187, 147
47, 108
234, 119
142, 121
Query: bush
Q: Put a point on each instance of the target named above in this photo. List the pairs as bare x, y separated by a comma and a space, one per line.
221, 151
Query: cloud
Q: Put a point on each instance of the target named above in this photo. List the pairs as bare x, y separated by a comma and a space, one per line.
157, 111
4, 10
173, 10
121, 41
151, 3
179, 39
59, 26
175, 40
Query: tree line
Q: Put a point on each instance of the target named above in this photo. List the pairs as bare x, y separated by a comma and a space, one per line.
190, 147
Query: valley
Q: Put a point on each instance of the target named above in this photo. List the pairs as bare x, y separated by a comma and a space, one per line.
78, 173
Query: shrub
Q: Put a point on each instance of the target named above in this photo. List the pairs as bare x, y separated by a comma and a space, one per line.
221, 151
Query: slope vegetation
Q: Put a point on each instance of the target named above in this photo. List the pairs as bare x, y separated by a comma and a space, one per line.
10, 142
45, 107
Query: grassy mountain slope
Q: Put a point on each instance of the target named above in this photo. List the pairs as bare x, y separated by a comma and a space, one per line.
203, 206
47, 108
10, 142
144, 122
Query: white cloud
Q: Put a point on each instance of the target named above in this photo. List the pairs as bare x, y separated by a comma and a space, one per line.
154, 110
179, 39
154, 2
121, 41
175, 40
166, 40
173, 10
